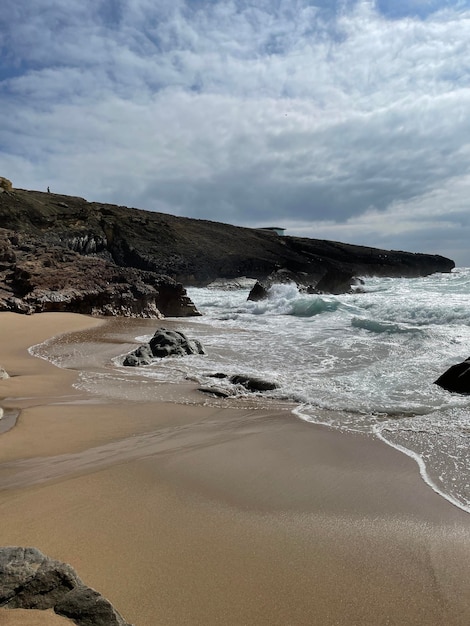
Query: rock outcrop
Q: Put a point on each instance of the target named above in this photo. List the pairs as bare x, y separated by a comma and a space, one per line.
164, 343
334, 280
456, 378
5, 184
121, 254
36, 277
31, 580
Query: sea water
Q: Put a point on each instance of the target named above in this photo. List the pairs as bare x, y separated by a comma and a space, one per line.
360, 362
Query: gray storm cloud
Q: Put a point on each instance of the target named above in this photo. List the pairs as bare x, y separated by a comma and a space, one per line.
336, 120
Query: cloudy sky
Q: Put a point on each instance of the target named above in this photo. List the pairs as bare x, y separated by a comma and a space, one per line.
337, 119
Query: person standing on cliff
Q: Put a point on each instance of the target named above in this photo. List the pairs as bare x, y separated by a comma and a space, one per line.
48, 190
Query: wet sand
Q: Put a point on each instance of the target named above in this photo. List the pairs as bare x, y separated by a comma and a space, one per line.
191, 514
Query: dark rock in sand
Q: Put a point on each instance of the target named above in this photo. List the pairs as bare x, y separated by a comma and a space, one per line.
164, 343
172, 342
31, 580
87, 607
139, 357
456, 378
252, 383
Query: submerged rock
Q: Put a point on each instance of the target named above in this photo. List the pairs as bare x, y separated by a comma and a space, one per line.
218, 392
258, 292
31, 580
164, 343
329, 280
456, 378
252, 383
335, 281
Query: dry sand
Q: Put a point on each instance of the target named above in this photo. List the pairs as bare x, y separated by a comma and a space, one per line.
185, 514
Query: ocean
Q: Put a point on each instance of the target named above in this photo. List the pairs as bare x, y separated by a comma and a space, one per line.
362, 362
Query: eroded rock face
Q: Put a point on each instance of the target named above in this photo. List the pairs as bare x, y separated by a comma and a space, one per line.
35, 278
31, 580
456, 378
164, 343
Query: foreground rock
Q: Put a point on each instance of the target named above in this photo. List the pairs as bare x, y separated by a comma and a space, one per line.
164, 343
456, 378
31, 580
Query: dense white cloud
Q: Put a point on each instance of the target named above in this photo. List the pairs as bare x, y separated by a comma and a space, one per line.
344, 120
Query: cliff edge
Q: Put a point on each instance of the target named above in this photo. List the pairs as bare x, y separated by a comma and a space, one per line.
63, 253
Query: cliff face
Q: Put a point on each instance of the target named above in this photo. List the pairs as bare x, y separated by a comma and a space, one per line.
135, 259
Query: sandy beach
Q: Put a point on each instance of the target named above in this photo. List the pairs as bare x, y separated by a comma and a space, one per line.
192, 514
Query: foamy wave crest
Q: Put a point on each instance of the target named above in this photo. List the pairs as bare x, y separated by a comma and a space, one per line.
286, 299
427, 310
313, 305
375, 326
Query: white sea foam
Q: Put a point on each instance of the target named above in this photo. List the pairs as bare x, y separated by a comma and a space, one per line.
362, 362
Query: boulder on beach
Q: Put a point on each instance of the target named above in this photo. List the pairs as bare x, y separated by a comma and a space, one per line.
164, 343
31, 580
456, 378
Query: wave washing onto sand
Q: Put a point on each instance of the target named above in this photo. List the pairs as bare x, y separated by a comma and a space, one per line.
361, 362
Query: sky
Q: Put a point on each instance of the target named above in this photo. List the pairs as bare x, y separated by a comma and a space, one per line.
335, 119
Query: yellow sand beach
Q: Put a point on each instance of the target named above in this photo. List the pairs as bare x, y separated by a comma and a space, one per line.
192, 514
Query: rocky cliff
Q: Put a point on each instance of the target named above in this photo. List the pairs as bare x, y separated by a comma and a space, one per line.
64, 253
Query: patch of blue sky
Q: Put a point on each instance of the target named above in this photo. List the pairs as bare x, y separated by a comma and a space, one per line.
110, 12
421, 9
11, 70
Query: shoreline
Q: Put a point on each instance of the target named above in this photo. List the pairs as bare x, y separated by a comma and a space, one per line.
204, 515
